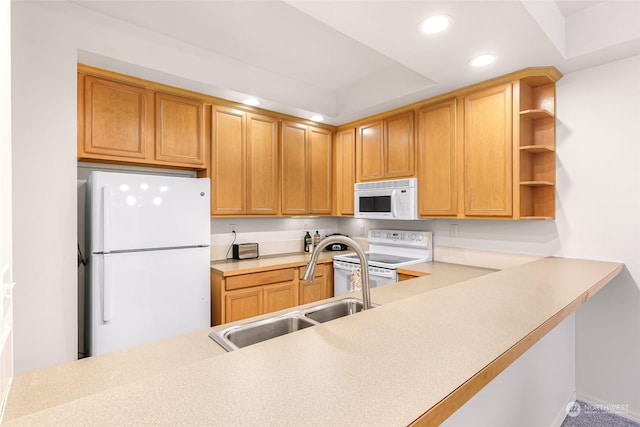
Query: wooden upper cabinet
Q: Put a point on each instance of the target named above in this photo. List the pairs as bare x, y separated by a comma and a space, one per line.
370, 152
385, 149
320, 169
180, 136
294, 169
306, 169
123, 122
437, 151
345, 172
228, 161
115, 120
244, 163
262, 165
487, 149
399, 147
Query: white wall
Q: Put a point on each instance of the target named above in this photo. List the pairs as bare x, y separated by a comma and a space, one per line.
273, 235
6, 269
44, 192
599, 182
532, 392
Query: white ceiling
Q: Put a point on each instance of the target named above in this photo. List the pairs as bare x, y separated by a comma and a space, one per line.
349, 59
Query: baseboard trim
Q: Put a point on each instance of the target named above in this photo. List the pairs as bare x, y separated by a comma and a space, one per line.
562, 413
631, 415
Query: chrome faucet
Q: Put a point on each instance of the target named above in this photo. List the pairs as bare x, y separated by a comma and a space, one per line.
310, 270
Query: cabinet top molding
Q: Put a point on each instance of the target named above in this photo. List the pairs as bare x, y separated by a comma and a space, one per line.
545, 74
550, 73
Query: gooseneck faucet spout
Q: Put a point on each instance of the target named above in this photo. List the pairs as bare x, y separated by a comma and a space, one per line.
310, 270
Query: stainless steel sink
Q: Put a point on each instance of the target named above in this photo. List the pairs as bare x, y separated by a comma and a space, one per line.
251, 333
334, 310
235, 337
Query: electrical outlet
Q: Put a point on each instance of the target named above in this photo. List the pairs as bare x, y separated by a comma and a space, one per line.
362, 230
233, 228
453, 230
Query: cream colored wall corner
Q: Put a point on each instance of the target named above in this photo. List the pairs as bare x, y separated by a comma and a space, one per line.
6, 218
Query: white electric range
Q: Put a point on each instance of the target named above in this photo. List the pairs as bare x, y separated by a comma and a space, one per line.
388, 250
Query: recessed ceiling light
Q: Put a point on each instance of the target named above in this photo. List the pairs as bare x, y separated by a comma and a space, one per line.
482, 60
317, 118
434, 24
251, 101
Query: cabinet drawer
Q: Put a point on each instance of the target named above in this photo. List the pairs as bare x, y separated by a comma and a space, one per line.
319, 271
258, 279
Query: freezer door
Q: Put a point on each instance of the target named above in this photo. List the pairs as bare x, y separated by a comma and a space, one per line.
139, 297
131, 212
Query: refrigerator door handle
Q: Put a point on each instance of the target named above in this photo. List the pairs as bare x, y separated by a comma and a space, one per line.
107, 291
106, 216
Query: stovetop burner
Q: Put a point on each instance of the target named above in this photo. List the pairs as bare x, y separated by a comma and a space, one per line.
391, 249
382, 258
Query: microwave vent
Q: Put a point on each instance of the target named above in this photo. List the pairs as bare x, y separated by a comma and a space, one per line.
396, 183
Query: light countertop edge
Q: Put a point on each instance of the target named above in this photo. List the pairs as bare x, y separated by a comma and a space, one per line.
547, 291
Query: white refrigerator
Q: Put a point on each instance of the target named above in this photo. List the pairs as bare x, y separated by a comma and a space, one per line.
148, 275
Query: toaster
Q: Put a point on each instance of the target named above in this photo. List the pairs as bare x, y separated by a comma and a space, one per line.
245, 250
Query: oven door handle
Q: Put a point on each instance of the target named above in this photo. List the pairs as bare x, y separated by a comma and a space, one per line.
382, 272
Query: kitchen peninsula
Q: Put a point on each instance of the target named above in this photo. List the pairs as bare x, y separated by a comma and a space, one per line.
432, 344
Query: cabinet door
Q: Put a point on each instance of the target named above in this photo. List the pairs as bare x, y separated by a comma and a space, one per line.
294, 169
399, 148
243, 304
228, 162
115, 120
370, 152
262, 165
488, 186
179, 130
345, 171
280, 296
319, 171
316, 290
437, 160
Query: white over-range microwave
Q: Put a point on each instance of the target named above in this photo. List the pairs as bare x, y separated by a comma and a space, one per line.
393, 199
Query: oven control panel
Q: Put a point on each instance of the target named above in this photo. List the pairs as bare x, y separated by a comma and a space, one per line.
400, 238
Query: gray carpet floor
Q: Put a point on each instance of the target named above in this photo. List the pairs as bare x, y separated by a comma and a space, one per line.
589, 416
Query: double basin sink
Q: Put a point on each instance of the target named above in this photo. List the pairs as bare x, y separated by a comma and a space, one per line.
235, 337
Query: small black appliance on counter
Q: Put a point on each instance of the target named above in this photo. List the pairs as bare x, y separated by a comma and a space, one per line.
337, 246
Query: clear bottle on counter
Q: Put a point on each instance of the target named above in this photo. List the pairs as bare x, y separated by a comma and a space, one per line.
316, 239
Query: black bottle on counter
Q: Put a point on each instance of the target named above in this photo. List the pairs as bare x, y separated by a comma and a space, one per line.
307, 242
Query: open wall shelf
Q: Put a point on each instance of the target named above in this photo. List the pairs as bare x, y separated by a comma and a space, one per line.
537, 146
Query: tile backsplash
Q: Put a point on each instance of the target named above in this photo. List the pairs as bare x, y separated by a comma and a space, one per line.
284, 235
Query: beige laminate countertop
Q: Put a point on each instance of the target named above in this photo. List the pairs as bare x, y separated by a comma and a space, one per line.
427, 346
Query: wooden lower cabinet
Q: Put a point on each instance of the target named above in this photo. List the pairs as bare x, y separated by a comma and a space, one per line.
280, 296
242, 296
321, 287
242, 304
